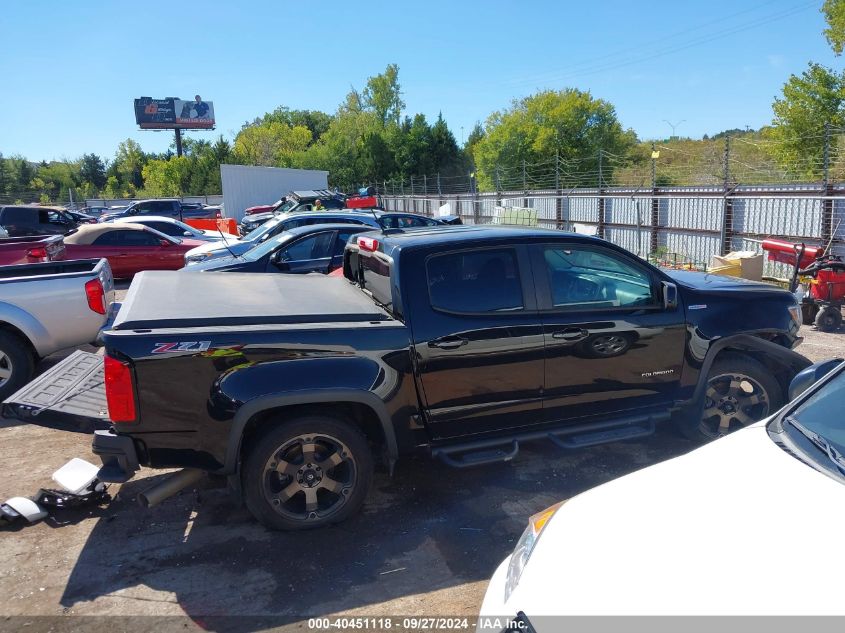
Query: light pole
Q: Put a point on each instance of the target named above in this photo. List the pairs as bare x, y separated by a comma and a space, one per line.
673, 126
462, 136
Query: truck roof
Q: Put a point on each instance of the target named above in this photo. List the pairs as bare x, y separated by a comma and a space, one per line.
464, 234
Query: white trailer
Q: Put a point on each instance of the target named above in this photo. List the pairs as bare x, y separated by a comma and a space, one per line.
246, 186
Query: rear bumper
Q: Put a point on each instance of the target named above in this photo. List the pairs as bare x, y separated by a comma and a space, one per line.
118, 454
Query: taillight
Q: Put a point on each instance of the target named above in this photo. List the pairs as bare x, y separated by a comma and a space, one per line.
37, 252
119, 393
368, 244
96, 296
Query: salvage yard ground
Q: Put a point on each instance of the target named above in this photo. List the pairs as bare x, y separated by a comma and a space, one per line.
425, 544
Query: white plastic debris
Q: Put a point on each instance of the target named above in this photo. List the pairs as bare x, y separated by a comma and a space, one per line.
27, 508
76, 475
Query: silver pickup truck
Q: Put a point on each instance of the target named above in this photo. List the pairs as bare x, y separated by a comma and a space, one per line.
48, 307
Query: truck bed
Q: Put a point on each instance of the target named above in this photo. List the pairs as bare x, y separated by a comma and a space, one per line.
26, 272
165, 299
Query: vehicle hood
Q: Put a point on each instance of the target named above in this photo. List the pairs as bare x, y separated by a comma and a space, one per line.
257, 218
191, 243
238, 246
105, 217
217, 263
736, 527
708, 281
173, 299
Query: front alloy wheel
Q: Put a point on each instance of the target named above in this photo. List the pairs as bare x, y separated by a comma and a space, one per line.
740, 391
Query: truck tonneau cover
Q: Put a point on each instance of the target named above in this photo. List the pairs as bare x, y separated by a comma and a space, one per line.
179, 299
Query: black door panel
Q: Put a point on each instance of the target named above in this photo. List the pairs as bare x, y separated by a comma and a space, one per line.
610, 347
478, 342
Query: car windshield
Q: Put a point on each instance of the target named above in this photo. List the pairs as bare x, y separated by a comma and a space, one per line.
259, 251
820, 415
287, 206
262, 232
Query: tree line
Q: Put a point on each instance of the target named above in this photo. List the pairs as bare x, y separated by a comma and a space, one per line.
370, 139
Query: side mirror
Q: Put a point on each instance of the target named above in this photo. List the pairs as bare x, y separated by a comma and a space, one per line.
808, 376
165, 242
187, 234
670, 295
281, 265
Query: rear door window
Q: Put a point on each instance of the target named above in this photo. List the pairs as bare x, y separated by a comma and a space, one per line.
312, 247
475, 281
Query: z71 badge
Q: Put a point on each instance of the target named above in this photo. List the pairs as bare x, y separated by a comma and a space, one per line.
181, 346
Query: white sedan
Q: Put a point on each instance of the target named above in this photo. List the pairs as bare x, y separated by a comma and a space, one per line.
746, 525
175, 228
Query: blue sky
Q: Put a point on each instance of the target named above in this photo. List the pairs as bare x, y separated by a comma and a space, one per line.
70, 70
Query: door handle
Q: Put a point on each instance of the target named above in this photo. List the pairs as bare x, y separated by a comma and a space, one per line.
452, 342
570, 334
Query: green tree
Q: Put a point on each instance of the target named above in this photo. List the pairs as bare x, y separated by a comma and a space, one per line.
167, 178
834, 15
129, 163
5, 177
383, 96
808, 102
271, 144
447, 157
93, 170
569, 122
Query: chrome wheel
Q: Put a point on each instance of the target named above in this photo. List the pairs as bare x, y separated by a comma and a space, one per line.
609, 344
309, 477
6, 368
733, 400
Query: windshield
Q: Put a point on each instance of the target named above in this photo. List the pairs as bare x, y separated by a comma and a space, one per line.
820, 414
287, 206
259, 251
262, 232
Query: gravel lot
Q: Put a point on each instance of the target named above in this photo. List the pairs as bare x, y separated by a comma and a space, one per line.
425, 544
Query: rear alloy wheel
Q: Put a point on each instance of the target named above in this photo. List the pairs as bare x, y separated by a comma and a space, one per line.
740, 391
307, 473
16, 364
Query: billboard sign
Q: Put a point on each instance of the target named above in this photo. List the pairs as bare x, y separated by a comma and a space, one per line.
172, 113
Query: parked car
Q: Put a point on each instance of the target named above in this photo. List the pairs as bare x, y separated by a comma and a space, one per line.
282, 223
459, 342
81, 218
780, 479
20, 221
130, 248
95, 210
3, 232
166, 207
294, 202
173, 228
31, 249
47, 307
315, 248
263, 208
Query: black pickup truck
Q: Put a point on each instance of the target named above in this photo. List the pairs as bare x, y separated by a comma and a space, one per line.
461, 343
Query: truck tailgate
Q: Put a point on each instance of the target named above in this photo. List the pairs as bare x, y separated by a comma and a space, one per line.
71, 392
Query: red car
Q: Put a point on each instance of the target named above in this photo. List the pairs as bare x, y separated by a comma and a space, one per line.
130, 248
261, 208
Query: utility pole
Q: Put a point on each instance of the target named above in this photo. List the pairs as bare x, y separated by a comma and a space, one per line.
178, 142
727, 211
600, 228
655, 203
558, 198
827, 202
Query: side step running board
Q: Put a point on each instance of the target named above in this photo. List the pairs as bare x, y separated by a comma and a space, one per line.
504, 449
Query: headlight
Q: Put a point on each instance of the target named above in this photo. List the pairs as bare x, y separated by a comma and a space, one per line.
525, 545
192, 259
795, 313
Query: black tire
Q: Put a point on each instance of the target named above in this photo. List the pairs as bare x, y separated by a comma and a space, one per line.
740, 391
607, 345
306, 461
16, 364
829, 319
